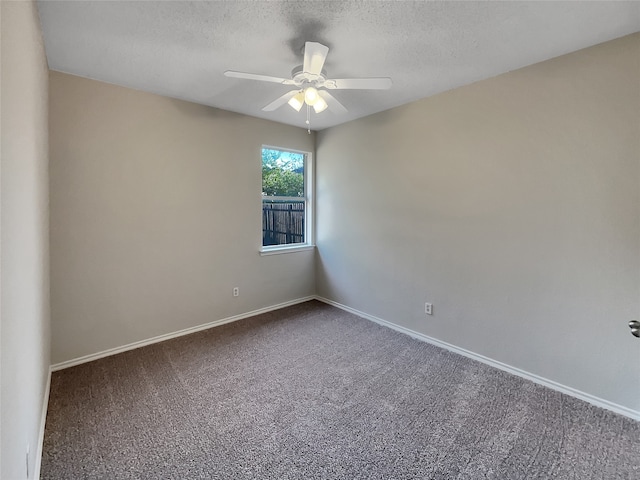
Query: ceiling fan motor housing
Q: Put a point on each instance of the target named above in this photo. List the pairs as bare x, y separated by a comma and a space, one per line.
300, 77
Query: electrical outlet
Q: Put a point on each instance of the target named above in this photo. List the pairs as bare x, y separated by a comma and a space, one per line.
236, 291
428, 308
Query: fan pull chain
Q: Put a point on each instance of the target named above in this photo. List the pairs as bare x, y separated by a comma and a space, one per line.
308, 122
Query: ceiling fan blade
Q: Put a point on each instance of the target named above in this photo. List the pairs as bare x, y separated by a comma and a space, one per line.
278, 102
260, 78
382, 83
333, 104
314, 56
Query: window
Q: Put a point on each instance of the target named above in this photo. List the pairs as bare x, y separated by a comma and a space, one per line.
286, 199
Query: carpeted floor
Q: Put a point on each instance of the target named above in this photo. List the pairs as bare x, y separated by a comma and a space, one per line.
312, 392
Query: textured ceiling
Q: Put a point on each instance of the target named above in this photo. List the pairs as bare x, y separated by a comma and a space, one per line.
181, 49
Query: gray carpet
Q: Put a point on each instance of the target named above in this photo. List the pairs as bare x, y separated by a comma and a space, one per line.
312, 392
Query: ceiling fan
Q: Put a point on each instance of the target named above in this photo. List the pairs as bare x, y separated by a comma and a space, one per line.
311, 83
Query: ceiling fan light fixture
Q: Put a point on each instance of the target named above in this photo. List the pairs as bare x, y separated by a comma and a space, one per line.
297, 101
320, 105
311, 96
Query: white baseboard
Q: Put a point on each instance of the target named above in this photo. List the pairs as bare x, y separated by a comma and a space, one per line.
43, 422
598, 402
168, 336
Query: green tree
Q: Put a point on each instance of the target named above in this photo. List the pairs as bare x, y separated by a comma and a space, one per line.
282, 175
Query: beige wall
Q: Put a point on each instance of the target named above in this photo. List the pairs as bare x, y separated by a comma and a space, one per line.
155, 216
513, 205
24, 261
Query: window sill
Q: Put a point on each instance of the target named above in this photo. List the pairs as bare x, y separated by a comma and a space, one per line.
287, 249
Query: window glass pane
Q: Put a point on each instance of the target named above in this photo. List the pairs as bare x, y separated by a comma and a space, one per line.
283, 182
282, 222
282, 173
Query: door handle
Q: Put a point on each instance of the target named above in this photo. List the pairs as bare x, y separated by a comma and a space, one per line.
634, 325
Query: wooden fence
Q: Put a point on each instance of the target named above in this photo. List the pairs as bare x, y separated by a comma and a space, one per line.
282, 223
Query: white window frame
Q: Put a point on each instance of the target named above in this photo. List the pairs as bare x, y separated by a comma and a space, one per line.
308, 198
